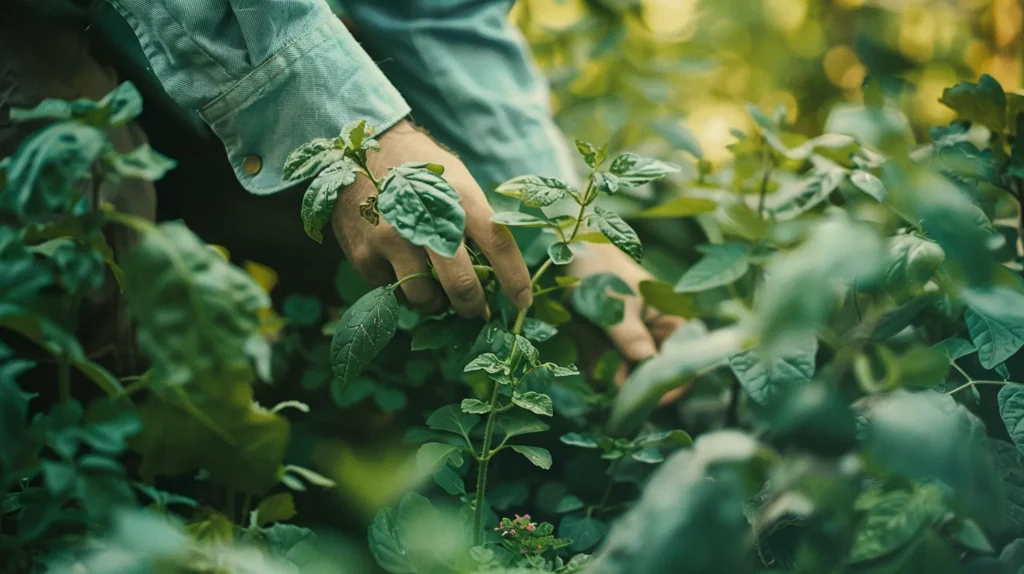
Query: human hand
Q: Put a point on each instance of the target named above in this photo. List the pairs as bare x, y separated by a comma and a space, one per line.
380, 255
640, 334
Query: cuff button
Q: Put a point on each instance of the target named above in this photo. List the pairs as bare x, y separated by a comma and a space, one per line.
252, 164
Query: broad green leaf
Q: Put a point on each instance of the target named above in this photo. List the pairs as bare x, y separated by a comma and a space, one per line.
537, 403
451, 418
535, 190
363, 331
577, 439
538, 456
44, 170
663, 297
21, 276
913, 261
423, 208
737, 219
196, 313
538, 331
891, 522
583, 529
592, 299
517, 422
997, 337
143, 163
310, 158
432, 456
568, 504
475, 406
319, 199
282, 538
560, 253
764, 377
118, 107
488, 362
278, 507
984, 102
593, 157
385, 544
619, 233
633, 170
121, 105
955, 348
518, 219
721, 265
450, 481
678, 207
806, 194
666, 371
678, 136
869, 184
606, 182
1011, 410
1009, 466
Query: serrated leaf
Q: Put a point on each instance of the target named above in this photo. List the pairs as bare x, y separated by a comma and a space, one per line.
538, 456
723, 264
451, 418
536, 190
591, 298
517, 219
633, 170
143, 163
663, 297
984, 102
363, 331
678, 207
310, 158
432, 457
537, 403
766, 377
560, 253
997, 338
321, 195
475, 406
195, 312
619, 233
423, 208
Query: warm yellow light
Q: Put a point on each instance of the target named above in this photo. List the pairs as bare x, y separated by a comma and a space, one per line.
917, 33
926, 109
786, 15
849, 3
1007, 18
675, 19
843, 68
711, 122
553, 14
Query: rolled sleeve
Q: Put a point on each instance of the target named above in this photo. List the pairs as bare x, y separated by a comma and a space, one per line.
266, 75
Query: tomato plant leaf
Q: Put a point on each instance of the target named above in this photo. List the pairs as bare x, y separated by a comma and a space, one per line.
538, 456
619, 233
592, 300
423, 208
311, 158
763, 378
633, 170
319, 199
536, 190
537, 403
363, 331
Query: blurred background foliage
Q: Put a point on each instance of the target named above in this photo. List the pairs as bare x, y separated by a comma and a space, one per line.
621, 69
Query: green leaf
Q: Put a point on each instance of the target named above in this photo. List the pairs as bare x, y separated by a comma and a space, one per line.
538, 331
388, 399
663, 297
516, 422
310, 158
537, 403
955, 348
665, 438
450, 481
578, 440
21, 276
538, 456
593, 157
355, 392
517, 219
142, 163
763, 378
997, 337
737, 219
806, 194
869, 184
666, 371
913, 261
118, 107
536, 190
583, 529
678, 136
195, 312
633, 170
282, 538
321, 195
1009, 465
678, 207
488, 362
619, 233
591, 298
121, 105
560, 253
558, 371
721, 265
302, 310
606, 182
475, 406
451, 418
363, 331
385, 544
423, 208
278, 507
1011, 410
892, 521
44, 169
432, 456
984, 102
568, 503
356, 137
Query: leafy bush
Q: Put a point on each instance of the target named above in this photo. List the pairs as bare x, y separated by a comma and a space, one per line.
856, 299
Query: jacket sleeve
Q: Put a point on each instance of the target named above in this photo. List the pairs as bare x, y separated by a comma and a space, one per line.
266, 75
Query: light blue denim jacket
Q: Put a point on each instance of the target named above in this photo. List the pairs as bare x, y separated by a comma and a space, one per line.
269, 75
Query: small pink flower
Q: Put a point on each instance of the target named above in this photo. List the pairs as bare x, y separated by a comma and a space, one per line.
530, 527
512, 532
538, 547
526, 516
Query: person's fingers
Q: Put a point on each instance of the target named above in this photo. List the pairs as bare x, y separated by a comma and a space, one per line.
422, 293
661, 326
631, 336
373, 268
459, 281
500, 247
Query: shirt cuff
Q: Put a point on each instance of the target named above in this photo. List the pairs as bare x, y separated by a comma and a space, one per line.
309, 89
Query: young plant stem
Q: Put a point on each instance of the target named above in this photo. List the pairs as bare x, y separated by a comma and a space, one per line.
611, 484
768, 167
972, 383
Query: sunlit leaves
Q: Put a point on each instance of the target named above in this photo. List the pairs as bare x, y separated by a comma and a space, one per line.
619, 233
432, 456
423, 208
535, 190
363, 331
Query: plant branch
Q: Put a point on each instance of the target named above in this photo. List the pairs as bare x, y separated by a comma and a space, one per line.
972, 383
481, 471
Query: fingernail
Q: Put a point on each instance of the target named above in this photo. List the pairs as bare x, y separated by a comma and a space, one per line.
641, 350
524, 298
